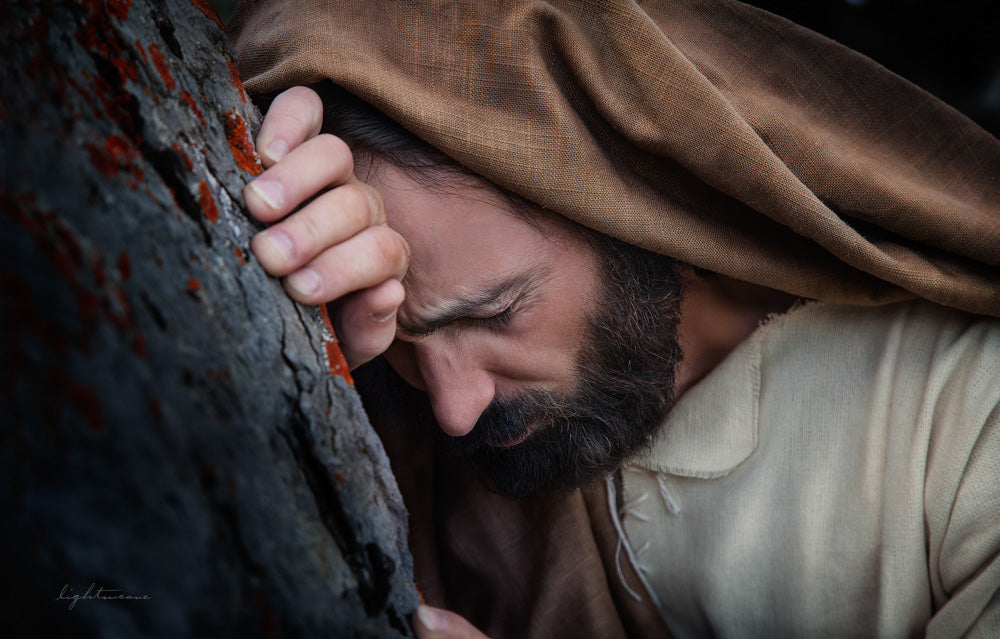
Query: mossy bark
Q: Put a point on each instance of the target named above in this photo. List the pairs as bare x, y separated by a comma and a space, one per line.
182, 452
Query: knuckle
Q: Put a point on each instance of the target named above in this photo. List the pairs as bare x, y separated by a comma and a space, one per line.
303, 105
305, 95
335, 149
388, 245
310, 227
376, 203
403, 247
406, 249
357, 206
354, 203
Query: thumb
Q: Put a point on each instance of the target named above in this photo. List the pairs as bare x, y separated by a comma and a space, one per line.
435, 623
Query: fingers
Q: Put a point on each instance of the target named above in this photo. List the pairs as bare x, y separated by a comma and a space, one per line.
329, 238
366, 321
293, 117
314, 165
435, 623
330, 219
372, 256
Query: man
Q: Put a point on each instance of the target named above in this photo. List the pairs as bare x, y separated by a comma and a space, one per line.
691, 451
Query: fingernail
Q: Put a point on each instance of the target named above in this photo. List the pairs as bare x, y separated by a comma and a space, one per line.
382, 318
304, 281
270, 191
276, 150
429, 618
281, 242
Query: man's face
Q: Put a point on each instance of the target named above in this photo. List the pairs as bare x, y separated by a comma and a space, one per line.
530, 341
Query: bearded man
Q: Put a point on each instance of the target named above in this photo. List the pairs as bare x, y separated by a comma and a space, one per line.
691, 304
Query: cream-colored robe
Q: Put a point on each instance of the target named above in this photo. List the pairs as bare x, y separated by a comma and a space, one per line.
838, 475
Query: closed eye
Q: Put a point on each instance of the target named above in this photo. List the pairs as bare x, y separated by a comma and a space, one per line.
520, 288
496, 322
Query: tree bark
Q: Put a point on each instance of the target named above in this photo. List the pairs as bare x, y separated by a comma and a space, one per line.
181, 449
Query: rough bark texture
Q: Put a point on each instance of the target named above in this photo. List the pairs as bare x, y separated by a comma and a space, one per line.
171, 430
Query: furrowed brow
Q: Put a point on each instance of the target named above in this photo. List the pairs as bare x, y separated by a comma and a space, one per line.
473, 306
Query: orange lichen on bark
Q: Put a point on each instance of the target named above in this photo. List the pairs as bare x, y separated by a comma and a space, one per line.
100, 275
114, 103
189, 100
209, 11
126, 68
51, 237
93, 33
179, 150
241, 255
125, 320
335, 360
193, 285
82, 397
139, 345
239, 141
124, 266
207, 202
118, 8
102, 161
162, 67
234, 76
117, 154
84, 93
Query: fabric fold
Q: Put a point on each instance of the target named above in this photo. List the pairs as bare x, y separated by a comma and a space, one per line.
707, 130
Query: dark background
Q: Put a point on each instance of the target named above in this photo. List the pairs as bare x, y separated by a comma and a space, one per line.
950, 48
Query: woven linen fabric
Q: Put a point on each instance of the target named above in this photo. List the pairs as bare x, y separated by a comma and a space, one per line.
707, 130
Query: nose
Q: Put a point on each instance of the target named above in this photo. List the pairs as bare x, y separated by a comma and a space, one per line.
459, 389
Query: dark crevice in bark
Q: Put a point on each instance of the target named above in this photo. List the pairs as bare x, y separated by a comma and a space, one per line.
165, 27
170, 167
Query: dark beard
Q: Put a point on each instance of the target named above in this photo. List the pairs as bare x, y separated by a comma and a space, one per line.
626, 375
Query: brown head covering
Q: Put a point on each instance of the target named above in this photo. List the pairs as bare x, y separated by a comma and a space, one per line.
707, 130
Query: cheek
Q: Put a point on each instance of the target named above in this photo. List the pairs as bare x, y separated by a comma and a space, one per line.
545, 341
560, 326
543, 354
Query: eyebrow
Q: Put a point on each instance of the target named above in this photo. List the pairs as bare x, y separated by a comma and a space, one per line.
472, 306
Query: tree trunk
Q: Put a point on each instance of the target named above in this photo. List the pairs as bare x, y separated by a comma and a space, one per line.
181, 449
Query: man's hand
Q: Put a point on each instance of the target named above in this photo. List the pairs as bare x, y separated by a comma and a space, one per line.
336, 247
435, 623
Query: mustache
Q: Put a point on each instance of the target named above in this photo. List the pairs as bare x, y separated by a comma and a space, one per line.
546, 441
511, 420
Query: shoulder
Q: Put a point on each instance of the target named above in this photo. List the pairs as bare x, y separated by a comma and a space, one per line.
919, 338
909, 374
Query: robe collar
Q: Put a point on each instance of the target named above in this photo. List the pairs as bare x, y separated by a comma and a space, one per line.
713, 427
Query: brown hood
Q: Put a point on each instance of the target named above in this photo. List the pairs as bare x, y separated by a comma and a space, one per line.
707, 130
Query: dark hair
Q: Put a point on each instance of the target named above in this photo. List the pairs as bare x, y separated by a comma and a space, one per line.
375, 137
369, 132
